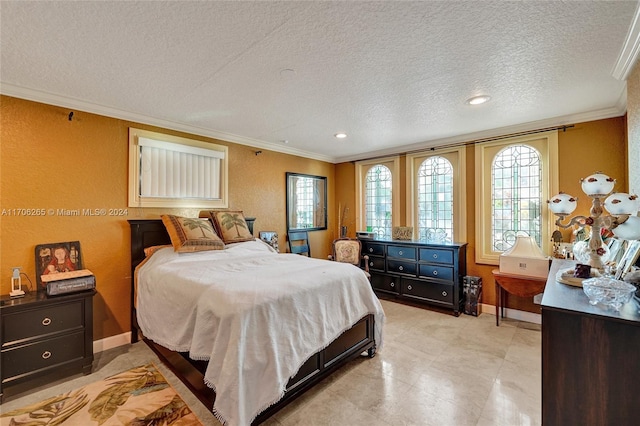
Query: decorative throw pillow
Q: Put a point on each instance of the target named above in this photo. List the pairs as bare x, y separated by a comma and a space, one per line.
191, 234
230, 225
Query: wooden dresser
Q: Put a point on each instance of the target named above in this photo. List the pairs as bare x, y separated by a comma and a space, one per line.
44, 339
590, 358
418, 271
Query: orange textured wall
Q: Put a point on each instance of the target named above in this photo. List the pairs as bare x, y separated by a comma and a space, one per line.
48, 162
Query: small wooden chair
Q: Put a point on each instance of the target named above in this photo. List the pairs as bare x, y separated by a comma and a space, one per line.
348, 250
299, 242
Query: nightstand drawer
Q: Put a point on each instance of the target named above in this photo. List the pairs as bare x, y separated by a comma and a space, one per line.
401, 267
436, 256
37, 322
401, 252
42, 354
439, 272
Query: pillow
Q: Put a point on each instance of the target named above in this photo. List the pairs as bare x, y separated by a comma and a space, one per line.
191, 234
231, 225
148, 251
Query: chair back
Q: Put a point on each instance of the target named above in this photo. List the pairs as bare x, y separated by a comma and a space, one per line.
347, 250
299, 242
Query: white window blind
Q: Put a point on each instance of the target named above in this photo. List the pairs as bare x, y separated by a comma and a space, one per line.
169, 170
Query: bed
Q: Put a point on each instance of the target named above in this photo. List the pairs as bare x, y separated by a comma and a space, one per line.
351, 322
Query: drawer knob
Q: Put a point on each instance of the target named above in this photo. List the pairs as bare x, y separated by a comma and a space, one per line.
400, 252
435, 272
444, 293
409, 288
400, 268
435, 256
392, 284
370, 249
46, 355
46, 321
370, 263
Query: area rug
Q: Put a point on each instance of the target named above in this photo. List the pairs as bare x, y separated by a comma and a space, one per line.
140, 396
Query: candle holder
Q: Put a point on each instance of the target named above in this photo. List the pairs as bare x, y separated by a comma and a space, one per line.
621, 220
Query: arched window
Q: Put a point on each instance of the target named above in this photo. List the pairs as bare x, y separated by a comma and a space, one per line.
516, 196
378, 201
435, 200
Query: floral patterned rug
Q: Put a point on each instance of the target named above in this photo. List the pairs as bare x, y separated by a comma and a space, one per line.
140, 396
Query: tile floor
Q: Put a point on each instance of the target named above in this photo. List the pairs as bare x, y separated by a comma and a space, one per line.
434, 369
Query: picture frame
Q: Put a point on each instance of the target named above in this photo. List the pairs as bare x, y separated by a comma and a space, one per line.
402, 232
271, 238
628, 259
55, 258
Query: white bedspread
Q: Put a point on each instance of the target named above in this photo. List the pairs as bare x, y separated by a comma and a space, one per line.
256, 315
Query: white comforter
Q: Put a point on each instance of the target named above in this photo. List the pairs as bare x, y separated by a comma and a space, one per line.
256, 315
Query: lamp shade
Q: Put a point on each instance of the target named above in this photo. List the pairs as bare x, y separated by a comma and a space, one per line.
629, 230
622, 203
562, 204
597, 184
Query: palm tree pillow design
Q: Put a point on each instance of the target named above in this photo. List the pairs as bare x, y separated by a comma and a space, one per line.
191, 234
231, 226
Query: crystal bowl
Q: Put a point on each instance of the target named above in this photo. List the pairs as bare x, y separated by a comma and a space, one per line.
608, 291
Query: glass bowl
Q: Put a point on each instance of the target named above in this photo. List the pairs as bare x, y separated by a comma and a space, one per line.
608, 291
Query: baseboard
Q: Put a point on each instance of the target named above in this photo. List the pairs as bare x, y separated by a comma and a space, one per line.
111, 342
514, 314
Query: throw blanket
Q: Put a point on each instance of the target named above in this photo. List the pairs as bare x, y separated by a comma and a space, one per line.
255, 315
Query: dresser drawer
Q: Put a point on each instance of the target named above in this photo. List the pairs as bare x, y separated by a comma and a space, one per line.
373, 249
401, 267
385, 283
401, 252
427, 290
41, 321
436, 256
376, 264
434, 271
42, 354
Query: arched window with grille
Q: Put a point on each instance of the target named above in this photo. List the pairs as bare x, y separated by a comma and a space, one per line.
435, 200
513, 178
379, 201
516, 196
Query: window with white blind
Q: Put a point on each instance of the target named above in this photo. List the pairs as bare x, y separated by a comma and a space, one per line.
170, 171
514, 177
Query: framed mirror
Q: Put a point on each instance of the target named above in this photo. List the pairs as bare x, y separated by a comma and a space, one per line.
306, 202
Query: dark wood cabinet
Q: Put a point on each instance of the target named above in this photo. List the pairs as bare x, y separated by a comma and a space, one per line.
44, 339
418, 271
590, 358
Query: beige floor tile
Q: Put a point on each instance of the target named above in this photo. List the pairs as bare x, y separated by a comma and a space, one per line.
435, 369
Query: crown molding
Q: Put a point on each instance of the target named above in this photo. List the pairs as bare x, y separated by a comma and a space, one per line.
76, 104
630, 49
615, 111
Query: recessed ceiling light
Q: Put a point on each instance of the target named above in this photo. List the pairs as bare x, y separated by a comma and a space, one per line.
340, 135
477, 100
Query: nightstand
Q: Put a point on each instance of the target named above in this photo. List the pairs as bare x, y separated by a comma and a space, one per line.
44, 338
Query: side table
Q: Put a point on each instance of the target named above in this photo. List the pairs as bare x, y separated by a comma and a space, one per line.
518, 285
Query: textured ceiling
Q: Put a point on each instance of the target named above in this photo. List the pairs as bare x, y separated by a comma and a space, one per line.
393, 75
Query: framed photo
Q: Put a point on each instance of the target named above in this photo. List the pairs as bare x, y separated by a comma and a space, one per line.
57, 257
402, 232
271, 238
629, 258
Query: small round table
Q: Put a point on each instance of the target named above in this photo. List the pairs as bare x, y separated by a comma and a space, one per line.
518, 285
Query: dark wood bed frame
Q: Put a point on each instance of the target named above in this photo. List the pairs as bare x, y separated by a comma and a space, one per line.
350, 345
